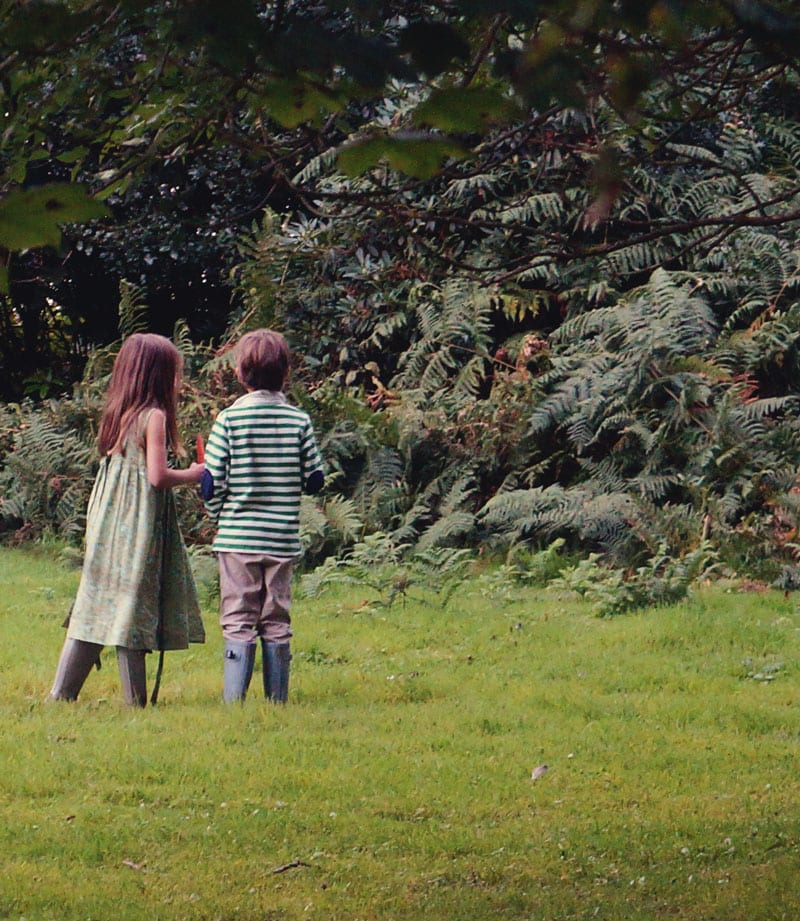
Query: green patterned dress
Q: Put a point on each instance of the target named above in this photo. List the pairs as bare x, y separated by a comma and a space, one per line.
136, 587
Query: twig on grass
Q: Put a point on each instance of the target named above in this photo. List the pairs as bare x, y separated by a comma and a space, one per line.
291, 866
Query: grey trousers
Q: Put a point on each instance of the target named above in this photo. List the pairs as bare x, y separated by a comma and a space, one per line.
255, 597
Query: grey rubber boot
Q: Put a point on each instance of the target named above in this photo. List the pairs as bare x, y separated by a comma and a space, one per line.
275, 661
133, 675
74, 665
238, 670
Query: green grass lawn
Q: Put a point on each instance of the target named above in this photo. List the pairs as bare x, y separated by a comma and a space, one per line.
397, 782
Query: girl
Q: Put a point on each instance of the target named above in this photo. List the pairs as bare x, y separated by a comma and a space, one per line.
136, 591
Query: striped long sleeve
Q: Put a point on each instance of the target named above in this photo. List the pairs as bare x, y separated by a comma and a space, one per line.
260, 452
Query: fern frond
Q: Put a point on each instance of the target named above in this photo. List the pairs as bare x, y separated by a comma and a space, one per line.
447, 530
316, 167
544, 206
342, 517
768, 406
132, 309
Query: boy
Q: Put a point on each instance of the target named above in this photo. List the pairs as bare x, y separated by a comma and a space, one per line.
261, 455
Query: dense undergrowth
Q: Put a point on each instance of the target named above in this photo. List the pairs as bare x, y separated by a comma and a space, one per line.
627, 396
704, 486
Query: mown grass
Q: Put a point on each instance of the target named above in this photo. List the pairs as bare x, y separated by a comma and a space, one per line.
397, 783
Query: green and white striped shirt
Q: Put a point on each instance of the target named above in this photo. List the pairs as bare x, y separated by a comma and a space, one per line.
261, 451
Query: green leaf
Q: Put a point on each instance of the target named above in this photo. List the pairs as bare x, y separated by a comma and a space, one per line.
33, 217
76, 155
420, 157
629, 78
115, 188
293, 102
470, 109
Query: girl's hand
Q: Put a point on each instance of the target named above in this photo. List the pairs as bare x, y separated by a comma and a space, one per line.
195, 472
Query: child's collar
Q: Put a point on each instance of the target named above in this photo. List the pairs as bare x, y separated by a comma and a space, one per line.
256, 397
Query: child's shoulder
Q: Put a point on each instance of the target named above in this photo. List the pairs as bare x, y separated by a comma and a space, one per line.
238, 404
149, 418
263, 402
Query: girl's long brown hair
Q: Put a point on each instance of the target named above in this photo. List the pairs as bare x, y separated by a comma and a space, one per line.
145, 376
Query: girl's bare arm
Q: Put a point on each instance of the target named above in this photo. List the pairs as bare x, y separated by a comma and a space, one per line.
158, 473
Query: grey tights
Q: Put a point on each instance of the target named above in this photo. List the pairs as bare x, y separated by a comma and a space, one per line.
77, 659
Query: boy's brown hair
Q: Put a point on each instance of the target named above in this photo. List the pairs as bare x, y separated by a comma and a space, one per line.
262, 360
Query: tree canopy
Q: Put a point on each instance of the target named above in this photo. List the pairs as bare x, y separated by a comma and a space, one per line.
98, 97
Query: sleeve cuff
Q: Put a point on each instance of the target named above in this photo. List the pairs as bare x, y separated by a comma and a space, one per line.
315, 482
207, 486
